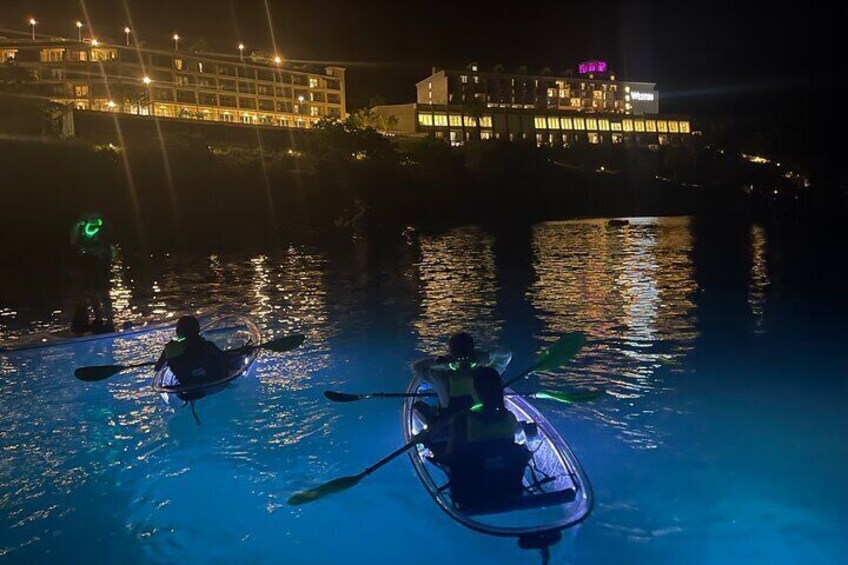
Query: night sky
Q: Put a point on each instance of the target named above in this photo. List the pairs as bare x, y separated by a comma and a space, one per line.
709, 59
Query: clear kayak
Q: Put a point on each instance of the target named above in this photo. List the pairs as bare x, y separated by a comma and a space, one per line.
228, 333
556, 493
67, 337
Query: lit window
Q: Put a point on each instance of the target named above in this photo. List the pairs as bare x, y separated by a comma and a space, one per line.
313, 83
651, 126
662, 127
440, 120
672, 127
540, 122
575, 102
464, 79
313, 111
470, 121
179, 64
566, 123
594, 138
627, 125
579, 123
485, 135
552, 93
616, 126
663, 139
603, 125
598, 94
81, 91
626, 89
616, 138
200, 68
553, 122
563, 93
485, 121
639, 125
455, 120
592, 124
425, 119
684, 127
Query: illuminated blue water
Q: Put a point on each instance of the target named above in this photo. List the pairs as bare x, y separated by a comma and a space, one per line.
722, 437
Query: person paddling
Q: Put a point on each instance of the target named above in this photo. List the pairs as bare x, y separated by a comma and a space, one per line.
452, 376
486, 465
192, 359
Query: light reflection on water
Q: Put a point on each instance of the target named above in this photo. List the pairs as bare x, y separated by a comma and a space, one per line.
630, 289
108, 466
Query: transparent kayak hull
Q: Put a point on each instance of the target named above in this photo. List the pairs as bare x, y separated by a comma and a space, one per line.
67, 337
229, 332
557, 492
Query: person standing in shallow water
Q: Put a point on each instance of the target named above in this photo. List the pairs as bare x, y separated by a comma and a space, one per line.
91, 240
452, 376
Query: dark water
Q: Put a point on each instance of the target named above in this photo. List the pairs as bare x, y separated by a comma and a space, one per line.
721, 438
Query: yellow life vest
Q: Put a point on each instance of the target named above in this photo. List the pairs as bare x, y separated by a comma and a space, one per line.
479, 428
461, 379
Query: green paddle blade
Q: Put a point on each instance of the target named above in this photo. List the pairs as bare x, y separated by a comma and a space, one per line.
332, 487
570, 397
342, 396
97, 373
560, 351
283, 344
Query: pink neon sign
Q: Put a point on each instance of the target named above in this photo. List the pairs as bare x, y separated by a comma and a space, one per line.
592, 67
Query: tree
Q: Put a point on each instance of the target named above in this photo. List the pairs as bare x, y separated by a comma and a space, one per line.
367, 118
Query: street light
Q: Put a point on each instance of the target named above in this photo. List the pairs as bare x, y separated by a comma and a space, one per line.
32, 23
146, 80
79, 31
241, 51
176, 42
278, 60
127, 31
94, 43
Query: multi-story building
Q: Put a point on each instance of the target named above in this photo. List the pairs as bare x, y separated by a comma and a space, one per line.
91, 75
592, 107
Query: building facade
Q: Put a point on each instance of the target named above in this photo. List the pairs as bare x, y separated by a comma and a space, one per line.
89, 75
592, 108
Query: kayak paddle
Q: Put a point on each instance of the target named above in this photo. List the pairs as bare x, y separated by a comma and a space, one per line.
102, 372
565, 397
552, 356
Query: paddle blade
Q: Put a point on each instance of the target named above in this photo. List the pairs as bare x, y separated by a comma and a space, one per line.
570, 397
556, 354
342, 396
332, 487
97, 373
283, 344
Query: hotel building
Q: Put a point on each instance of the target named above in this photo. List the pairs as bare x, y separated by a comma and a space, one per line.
590, 108
93, 76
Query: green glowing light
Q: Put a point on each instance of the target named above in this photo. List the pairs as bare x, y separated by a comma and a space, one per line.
92, 228
477, 407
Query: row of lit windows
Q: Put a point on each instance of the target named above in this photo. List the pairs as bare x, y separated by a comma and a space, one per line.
562, 123
454, 120
603, 124
199, 113
55, 55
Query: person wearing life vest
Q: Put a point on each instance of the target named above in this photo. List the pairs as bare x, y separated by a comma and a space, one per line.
452, 376
94, 253
486, 465
192, 359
